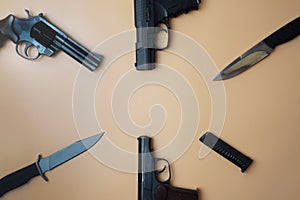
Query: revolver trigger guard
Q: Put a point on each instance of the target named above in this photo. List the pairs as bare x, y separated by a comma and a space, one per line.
28, 45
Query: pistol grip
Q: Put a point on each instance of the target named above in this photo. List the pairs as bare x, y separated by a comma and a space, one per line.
165, 192
178, 7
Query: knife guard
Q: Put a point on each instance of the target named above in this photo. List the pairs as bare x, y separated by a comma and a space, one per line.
227, 151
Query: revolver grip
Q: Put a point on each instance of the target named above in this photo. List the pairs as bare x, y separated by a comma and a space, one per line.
6, 30
167, 192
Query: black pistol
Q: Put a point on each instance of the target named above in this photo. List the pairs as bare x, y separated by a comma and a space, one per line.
38, 32
149, 187
149, 16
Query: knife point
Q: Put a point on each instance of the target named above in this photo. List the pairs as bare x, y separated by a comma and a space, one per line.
218, 77
92, 140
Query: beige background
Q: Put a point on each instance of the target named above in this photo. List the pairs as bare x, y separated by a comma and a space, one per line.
262, 117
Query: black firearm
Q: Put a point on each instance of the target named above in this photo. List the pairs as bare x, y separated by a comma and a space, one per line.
38, 32
149, 186
149, 16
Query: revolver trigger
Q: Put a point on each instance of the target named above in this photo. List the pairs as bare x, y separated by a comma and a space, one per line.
27, 46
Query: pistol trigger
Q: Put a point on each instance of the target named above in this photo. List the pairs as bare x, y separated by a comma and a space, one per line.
166, 22
160, 29
161, 171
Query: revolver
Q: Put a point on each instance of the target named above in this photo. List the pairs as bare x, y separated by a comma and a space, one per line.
149, 185
37, 32
151, 18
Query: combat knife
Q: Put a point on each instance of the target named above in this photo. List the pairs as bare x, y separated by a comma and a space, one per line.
42, 165
261, 50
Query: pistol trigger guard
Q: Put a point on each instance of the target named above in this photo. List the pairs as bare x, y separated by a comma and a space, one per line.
168, 42
163, 169
165, 21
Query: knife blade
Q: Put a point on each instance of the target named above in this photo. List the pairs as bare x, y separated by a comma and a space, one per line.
42, 165
260, 50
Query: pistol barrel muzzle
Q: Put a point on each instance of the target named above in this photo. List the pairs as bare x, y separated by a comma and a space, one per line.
144, 144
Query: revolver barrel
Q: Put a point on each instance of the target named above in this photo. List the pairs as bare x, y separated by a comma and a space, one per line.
53, 38
82, 55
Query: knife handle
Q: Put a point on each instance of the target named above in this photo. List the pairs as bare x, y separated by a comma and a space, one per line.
284, 34
18, 178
